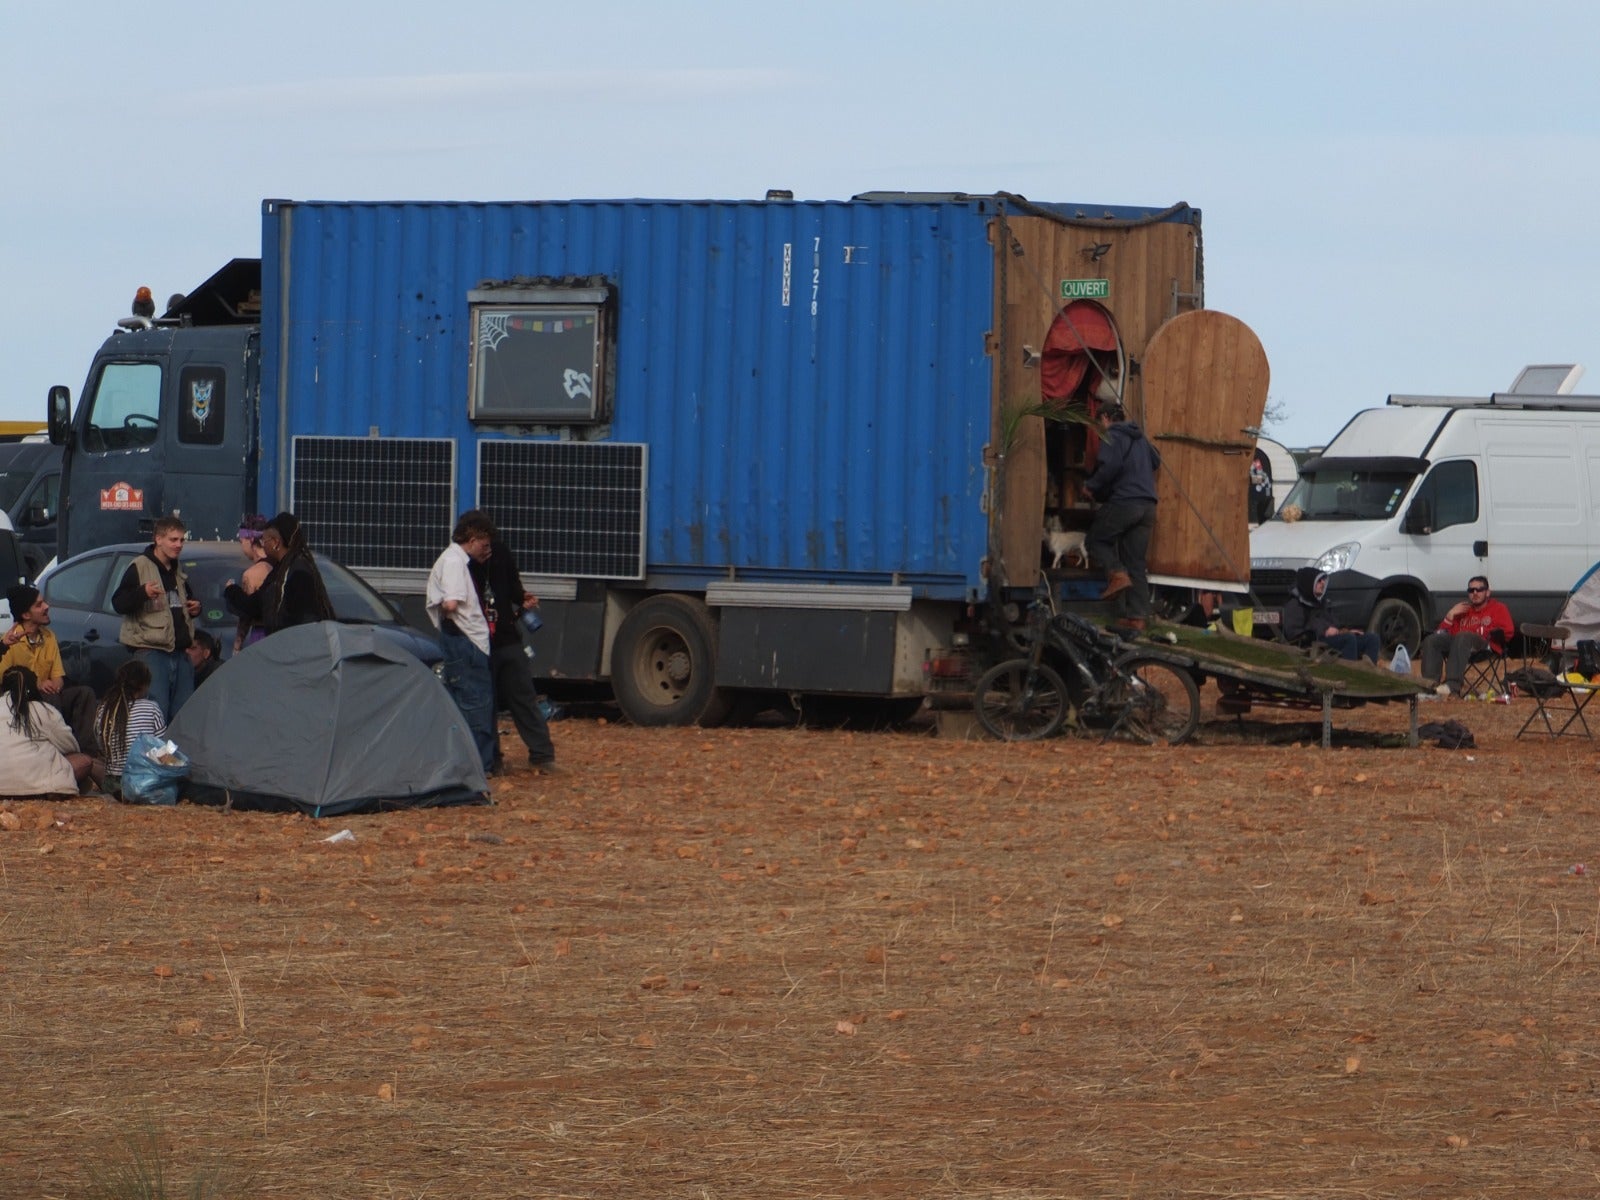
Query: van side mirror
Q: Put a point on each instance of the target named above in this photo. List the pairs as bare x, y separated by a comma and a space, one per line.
59, 415
1419, 518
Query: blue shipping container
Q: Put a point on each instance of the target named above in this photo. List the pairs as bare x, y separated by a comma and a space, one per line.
810, 378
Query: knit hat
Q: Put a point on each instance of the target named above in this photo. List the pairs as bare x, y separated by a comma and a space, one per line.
21, 598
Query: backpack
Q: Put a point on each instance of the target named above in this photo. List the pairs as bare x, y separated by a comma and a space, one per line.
1534, 680
1588, 662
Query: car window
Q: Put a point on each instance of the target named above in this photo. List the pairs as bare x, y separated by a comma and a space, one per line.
352, 599
208, 576
79, 584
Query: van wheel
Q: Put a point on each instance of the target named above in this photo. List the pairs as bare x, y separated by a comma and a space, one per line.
664, 664
1397, 623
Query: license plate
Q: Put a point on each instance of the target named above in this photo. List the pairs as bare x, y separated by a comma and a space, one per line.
1267, 616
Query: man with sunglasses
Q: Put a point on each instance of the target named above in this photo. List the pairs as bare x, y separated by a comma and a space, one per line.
1478, 623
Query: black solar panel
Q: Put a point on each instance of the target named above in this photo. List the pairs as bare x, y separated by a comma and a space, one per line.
571, 509
375, 502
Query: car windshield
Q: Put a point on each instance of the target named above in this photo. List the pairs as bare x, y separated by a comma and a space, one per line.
1348, 494
352, 599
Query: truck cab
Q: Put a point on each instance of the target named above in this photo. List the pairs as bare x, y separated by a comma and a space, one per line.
164, 424
30, 496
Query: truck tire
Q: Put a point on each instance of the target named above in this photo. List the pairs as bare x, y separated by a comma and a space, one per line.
664, 664
1396, 622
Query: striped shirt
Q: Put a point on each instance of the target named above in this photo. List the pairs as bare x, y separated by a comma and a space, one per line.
144, 716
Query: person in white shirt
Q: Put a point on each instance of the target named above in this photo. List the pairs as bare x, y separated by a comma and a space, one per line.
456, 609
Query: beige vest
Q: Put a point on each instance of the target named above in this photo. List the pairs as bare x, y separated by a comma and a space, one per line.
150, 626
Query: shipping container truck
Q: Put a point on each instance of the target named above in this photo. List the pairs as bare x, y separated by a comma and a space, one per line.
738, 447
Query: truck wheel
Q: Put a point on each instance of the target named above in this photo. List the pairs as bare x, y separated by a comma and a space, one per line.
1397, 623
664, 662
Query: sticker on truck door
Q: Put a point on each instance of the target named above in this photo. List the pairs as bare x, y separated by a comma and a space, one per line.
122, 497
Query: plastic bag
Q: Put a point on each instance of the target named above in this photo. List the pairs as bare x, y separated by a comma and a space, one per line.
1400, 664
146, 779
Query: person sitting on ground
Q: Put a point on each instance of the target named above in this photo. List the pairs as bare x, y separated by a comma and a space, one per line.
31, 643
250, 531
39, 756
125, 713
1478, 623
1306, 621
206, 656
293, 593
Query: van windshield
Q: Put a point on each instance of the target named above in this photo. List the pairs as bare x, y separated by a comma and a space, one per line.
12, 485
1334, 492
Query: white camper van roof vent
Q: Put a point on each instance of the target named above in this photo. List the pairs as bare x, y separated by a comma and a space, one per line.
1547, 379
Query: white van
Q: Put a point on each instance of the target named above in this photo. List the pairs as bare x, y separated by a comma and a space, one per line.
1411, 500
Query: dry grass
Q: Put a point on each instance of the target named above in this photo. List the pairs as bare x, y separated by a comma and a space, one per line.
785, 963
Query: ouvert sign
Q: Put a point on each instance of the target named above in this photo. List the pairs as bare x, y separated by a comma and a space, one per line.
1085, 289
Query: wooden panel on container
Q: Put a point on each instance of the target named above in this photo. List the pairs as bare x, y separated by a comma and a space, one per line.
1152, 272
1205, 383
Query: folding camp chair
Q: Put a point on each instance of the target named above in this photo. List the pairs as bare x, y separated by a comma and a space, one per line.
1546, 645
1485, 674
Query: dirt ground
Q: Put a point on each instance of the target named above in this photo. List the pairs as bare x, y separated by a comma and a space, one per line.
787, 962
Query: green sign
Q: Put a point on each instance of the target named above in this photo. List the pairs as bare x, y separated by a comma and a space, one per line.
1085, 289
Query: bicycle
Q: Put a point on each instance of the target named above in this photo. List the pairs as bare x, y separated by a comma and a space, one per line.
1073, 666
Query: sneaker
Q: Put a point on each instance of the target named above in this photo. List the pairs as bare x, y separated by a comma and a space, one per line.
1442, 690
544, 766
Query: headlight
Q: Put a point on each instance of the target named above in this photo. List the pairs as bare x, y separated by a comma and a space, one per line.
1341, 558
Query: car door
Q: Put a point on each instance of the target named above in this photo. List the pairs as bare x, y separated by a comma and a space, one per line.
76, 592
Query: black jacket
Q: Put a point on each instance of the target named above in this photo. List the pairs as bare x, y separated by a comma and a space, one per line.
1304, 616
292, 594
500, 587
1126, 466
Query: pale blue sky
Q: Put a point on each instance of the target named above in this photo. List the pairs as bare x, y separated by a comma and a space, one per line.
1397, 195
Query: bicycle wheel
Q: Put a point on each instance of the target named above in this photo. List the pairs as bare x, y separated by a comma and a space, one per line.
1018, 702
1163, 703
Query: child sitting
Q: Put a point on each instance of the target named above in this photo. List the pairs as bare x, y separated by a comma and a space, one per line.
124, 714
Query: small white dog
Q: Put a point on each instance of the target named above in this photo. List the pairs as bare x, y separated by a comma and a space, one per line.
1064, 543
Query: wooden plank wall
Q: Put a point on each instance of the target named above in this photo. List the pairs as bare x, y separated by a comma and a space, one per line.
1034, 254
1205, 381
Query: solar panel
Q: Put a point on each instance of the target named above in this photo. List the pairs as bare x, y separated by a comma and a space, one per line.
567, 508
375, 502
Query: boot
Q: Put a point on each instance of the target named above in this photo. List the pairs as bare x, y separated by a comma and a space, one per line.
1116, 583
1129, 627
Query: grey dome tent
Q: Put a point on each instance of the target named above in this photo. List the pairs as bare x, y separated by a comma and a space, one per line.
327, 719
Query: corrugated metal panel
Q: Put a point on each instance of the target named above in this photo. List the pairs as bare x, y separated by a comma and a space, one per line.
810, 377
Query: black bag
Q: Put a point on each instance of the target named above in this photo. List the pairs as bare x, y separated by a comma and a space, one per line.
1534, 680
1588, 662
1448, 735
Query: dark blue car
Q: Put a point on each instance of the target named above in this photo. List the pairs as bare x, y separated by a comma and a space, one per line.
79, 592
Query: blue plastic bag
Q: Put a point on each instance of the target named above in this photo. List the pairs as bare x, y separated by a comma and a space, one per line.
145, 781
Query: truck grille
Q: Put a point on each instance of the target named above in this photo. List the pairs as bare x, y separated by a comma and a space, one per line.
1271, 587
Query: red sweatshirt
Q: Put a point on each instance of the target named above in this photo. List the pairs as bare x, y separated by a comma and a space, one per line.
1491, 615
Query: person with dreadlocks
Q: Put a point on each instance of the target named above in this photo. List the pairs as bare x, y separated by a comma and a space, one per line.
39, 756
125, 713
293, 593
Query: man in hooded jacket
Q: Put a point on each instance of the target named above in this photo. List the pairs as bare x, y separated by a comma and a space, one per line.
1306, 620
1123, 482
